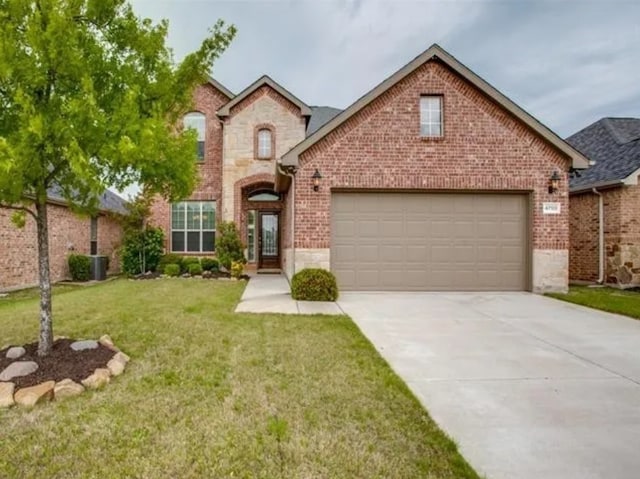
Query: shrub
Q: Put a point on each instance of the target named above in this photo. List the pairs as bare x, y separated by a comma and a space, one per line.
210, 264
172, 269
141, 250
169, 258
229, 247
237, 268
195, 269
186, 262
314, 284
79, 267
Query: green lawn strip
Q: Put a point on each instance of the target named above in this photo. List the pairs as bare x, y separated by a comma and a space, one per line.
210, 393
606, 299
33, 293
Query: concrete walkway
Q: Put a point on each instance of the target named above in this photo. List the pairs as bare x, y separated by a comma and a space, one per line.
528, 386
270, 293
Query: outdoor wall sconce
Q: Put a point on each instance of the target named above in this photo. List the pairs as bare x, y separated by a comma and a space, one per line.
554, 182
316, 180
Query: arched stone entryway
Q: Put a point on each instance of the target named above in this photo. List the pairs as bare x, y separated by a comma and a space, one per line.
259, 214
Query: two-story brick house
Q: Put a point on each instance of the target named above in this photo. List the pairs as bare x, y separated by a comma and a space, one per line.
431, 181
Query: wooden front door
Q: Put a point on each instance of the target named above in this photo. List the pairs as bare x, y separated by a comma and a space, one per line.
268, 239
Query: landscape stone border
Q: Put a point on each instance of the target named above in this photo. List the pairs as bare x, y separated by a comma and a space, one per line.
52, 390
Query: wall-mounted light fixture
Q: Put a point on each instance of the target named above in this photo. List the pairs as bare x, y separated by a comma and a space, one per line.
554, 182
316, 180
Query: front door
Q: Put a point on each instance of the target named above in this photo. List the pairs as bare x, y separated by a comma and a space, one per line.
268, 239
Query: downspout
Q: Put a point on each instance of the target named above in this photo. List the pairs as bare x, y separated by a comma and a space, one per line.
600, 236
291, 174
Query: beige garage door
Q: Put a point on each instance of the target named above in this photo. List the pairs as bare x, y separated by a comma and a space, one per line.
429, 242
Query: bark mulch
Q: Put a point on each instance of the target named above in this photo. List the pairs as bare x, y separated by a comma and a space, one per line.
62, 363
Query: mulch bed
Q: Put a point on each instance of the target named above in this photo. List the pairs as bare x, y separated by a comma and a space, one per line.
62, 363
214, 275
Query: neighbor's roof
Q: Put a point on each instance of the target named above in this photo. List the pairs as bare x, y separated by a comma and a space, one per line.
264, 80
614, 145
319, 116
432, 53
108, 201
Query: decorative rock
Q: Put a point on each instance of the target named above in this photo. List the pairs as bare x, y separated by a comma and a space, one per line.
99, 378
16, 352
31, 396
116, 366
18, 369
120, 356
107, 342
67, 388
207, 274
6, 395
84, 345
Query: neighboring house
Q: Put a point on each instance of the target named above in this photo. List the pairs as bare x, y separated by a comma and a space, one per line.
605, 204
68, 233
431, 181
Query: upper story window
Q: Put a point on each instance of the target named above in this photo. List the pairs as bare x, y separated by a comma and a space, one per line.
264, 144
431, 116
197, 121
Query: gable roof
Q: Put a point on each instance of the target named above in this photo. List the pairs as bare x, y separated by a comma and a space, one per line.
432, 53
319, 116
264, 80
220, 87
614, 145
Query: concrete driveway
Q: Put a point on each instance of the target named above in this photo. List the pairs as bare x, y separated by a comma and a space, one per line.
527, 386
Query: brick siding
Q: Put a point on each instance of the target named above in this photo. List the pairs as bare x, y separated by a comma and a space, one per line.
484, 148
68, 233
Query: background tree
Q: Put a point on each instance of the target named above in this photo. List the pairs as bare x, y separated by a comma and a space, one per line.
89, 99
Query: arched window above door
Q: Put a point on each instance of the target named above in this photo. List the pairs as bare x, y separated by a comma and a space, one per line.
264, 195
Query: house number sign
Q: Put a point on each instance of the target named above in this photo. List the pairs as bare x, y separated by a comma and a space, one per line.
550, 208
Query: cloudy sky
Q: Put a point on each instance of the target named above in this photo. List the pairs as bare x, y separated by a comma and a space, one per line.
567, 62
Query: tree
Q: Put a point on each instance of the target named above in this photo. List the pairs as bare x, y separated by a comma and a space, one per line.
89, 99
229, 247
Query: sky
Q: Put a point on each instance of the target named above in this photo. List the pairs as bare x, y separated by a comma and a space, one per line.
566, 62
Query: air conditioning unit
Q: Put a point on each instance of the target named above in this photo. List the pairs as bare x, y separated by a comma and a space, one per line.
98, 267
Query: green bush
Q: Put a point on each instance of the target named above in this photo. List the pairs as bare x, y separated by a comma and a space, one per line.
210, 264
169, 258
172, 269
188, 261
195, 269
314, 284
79, 267
142, 250
229, 247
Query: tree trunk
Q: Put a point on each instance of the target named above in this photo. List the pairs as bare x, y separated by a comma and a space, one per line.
46, 327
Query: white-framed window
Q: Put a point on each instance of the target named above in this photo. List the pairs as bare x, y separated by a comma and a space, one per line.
193, 227
197, 121
264, 143
431, 116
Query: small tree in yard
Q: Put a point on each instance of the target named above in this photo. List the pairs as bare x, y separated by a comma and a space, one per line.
142, 245
229, 247
89, 99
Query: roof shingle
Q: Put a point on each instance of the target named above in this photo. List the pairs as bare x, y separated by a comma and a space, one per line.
614, 145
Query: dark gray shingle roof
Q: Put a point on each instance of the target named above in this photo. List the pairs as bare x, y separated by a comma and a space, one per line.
109, 201
614, 144
319, 116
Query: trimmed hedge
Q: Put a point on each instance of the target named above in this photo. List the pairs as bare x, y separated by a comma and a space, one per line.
195, 269
169, 258
210, 264
314, 284
79, 267
172, 270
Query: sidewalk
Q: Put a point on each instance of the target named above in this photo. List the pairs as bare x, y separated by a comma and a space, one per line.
270, 293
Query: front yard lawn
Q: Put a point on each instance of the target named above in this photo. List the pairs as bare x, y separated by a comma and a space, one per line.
213, 394
607, 299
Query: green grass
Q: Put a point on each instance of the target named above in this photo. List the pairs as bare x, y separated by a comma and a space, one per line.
607, 299
210, 393
31, 293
